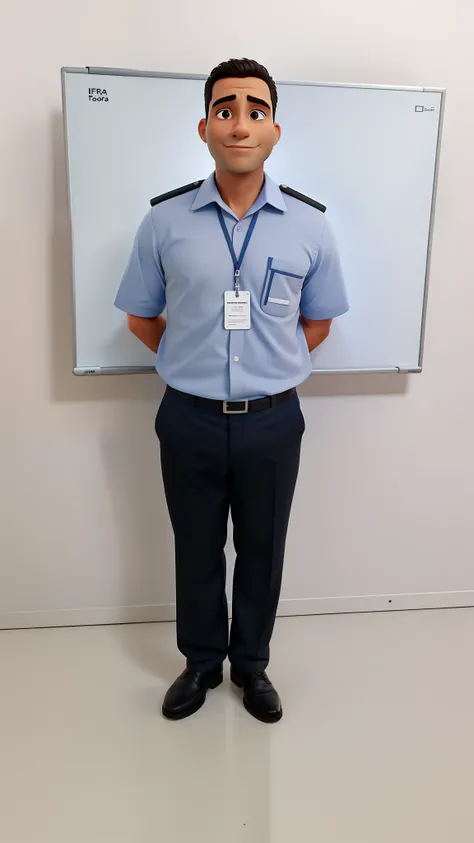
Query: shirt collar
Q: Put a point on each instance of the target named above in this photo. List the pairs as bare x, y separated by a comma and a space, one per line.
270, 194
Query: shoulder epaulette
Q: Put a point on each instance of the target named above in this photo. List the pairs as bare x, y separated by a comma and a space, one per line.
302, 197
177, 192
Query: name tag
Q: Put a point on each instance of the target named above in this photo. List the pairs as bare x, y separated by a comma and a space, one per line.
237, 310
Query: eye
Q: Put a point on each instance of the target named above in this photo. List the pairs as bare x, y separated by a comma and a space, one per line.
224, 113
257, 114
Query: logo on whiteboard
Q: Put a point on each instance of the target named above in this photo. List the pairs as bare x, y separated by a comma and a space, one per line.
424, 108
98, 95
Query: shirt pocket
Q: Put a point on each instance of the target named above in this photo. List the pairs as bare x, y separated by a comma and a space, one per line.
282, 285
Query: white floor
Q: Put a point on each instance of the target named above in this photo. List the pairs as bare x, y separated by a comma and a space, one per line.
376, 744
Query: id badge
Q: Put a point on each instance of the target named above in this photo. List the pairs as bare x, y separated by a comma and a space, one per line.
237, 310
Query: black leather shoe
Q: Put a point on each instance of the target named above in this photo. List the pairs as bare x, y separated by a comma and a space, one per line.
260, 697
188, 693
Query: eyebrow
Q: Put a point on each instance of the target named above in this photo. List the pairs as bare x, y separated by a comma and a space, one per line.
233, 97
258, 102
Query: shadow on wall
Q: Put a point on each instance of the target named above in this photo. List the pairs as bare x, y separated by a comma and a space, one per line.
64, 385
357, 384
145, 539
125, 438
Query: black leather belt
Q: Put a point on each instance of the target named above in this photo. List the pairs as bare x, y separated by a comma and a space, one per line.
235, 407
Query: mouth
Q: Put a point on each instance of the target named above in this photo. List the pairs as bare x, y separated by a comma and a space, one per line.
238, 146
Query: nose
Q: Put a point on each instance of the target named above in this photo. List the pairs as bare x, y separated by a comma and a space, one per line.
240, 129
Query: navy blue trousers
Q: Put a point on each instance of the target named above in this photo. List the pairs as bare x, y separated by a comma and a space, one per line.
212, 464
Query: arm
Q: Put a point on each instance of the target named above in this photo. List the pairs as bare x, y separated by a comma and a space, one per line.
323, 296
147, 329
315, 331
142, 291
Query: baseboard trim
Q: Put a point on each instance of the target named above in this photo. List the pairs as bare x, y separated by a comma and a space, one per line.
376, 603
98, 616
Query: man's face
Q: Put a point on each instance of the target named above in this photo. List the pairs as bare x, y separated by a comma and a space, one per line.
240, 132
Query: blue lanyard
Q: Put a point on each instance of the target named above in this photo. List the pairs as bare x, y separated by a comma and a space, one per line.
237, 261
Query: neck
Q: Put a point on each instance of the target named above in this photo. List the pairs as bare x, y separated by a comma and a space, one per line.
239, 192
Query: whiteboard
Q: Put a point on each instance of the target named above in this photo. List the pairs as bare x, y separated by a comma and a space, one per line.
369, 153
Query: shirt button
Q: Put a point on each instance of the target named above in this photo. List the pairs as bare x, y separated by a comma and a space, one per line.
239, 228
236, 359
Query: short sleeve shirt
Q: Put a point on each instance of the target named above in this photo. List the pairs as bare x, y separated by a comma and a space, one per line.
180, 261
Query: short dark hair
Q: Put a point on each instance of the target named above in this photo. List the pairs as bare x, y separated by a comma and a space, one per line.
239, 68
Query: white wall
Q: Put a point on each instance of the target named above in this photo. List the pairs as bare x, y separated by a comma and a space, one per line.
385, 501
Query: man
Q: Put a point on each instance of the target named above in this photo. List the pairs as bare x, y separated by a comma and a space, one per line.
251, 279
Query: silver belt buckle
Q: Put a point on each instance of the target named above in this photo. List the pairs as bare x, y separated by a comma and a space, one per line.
234, 412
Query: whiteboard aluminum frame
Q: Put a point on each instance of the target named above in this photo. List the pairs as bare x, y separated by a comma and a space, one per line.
117, 71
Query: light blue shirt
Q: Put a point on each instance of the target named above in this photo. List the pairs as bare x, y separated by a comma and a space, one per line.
180, 260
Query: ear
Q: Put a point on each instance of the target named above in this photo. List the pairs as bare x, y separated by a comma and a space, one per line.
202, 130
277, 131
